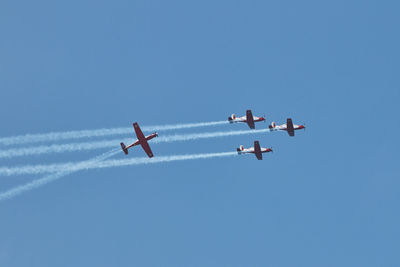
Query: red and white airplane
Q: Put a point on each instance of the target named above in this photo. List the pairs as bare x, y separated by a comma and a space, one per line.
249, 119
288, 126
141, 140
257, 150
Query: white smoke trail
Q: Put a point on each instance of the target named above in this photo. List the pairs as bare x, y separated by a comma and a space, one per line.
73, 166
57, 136
140, 161
68, 168
189, 137
58, 148
61, 148
52, 177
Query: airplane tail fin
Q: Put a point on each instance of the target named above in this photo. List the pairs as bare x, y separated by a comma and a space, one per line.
272, 126
240, 149
231, 118
124, 148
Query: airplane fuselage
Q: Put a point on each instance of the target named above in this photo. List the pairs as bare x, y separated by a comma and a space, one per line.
283, 127
251, 150
257, 150
249, 119
137, 142
244, 119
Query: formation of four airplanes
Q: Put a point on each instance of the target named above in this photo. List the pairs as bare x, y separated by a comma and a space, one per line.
249, 119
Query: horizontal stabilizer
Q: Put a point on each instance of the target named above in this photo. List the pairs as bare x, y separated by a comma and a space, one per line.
124, 148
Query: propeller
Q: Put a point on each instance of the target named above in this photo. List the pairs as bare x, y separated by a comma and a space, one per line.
264, 118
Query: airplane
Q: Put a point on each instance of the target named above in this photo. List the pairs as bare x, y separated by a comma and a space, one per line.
288, 126
257, 150
249, 119
141, 140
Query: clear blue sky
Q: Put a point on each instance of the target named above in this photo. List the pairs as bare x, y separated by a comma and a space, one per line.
328, 197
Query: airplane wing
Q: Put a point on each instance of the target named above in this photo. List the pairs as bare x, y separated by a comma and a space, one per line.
257, 150
290, 128
249, 119
146, 148
139, 134
142, 140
